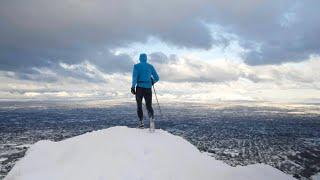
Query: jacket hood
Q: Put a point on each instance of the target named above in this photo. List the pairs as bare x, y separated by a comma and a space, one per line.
143, 58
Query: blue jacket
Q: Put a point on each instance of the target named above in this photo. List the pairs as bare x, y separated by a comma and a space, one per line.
142, 74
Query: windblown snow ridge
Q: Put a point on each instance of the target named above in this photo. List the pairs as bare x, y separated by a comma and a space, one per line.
122, 153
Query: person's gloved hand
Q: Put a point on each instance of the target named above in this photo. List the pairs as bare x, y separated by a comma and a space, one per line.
133, 91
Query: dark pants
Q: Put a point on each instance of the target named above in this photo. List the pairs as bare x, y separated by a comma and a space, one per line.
145, 93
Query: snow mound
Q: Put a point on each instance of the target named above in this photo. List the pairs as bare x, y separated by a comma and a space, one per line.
129, 154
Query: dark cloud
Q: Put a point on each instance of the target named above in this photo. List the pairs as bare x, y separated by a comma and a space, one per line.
33, 75
39, 33
36, 32
110, 63
191, 34
273, 31
89, 68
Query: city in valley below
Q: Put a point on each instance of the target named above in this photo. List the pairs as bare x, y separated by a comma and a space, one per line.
284, 136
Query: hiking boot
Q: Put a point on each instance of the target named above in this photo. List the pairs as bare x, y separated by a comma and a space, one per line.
141, 125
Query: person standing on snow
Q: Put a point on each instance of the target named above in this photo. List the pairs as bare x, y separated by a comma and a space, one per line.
143, 77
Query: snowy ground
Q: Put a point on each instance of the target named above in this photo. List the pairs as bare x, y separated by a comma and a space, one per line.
128, 153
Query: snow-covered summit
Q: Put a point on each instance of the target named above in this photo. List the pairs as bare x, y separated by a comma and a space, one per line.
127, 153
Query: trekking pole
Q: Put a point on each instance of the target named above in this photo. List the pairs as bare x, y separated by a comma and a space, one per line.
154, 90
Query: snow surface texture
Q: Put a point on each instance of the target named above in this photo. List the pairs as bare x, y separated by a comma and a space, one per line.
129, 154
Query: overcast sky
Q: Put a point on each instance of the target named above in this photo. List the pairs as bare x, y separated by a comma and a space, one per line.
204, 50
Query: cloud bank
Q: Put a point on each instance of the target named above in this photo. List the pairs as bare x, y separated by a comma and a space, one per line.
56, 46
182, 78
36, 32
